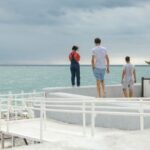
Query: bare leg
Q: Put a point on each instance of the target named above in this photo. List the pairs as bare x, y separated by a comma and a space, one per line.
125, 93
98, 88
130, 93
103, 88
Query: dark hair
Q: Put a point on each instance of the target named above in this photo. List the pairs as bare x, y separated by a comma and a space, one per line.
97, 41
127, 58
74, 47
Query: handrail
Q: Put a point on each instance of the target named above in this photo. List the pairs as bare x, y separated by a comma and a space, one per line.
20, 94
86, 100
84, 106
100, 100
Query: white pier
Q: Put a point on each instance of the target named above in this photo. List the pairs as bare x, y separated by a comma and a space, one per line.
60, 136
105, 139
30, 129
66, 120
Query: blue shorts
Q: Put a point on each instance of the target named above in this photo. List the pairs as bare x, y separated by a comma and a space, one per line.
99, 73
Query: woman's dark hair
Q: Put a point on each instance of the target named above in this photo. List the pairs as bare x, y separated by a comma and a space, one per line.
74, 47
97, 41
127, 58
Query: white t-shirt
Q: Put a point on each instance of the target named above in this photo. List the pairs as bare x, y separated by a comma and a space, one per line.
129, 70
100, 53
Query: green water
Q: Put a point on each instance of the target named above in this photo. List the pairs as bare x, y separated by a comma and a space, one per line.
29, 78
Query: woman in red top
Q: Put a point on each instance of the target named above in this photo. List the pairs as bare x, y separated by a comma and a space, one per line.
74, 58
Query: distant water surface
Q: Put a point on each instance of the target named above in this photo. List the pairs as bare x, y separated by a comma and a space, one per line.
29, 78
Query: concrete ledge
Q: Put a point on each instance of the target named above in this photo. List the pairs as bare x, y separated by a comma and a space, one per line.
111, 90
107, 121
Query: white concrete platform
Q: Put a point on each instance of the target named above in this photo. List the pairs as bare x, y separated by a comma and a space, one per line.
111, 90
105, 139
119, 142
30, 128
64, 136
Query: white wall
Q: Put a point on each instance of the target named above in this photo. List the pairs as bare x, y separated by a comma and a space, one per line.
111, 90
146, 88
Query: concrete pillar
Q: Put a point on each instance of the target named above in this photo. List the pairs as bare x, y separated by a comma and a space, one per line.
13, 141
2, 140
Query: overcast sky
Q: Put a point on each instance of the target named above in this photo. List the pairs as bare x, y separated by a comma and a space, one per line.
43, 31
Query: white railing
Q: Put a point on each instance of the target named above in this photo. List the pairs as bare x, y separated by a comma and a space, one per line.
90, 106
9, 104
83, 106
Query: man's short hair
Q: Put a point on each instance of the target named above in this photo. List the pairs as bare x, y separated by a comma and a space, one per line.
127, 58
97, 41
74, 47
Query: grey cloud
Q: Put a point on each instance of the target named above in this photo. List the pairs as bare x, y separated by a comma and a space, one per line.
51, 12
29, 12
45, 30
98, 4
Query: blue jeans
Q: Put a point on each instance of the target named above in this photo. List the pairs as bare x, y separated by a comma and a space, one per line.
75, 73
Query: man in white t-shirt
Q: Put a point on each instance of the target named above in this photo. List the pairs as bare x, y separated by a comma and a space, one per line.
128, 78
100, 64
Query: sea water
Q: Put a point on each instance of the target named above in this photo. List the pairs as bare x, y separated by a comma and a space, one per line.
29, 78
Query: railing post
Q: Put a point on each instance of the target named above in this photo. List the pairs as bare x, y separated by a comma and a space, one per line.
12, 141
22, 97
44, 113
33, 103
33, 97
141, 115
84, 118
41, 121
24, 104
0, 114
93, 119
8, 109
2, 141
44, 106
16, 107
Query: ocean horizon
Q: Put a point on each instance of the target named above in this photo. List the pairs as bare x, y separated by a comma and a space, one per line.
65, 65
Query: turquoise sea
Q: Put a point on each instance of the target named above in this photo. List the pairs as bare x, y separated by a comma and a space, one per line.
29, 78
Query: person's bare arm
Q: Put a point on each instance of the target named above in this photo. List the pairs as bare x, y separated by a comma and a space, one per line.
93, 61
123, 74
107, 63
134, 73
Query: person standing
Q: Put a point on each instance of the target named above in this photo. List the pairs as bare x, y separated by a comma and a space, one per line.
128, 78
100, 65
74, 58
